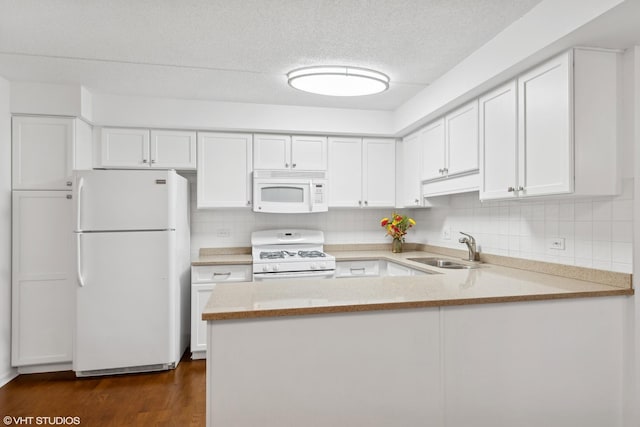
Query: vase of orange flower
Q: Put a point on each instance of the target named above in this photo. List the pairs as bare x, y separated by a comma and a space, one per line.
397, 227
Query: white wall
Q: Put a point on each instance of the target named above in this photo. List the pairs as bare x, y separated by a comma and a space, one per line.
226, 228
597, 232
6, 372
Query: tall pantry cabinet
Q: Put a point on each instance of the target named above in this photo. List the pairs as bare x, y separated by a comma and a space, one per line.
45, 150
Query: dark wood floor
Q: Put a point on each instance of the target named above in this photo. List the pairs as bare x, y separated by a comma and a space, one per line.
172, 398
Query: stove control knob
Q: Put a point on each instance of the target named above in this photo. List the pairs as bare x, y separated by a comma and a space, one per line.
275, 267
312, 267
322, 265
265, 268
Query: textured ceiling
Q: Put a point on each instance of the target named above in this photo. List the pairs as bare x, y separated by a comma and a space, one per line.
240, 50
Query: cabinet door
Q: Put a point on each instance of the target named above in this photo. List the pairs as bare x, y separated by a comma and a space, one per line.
498, 143
199, 297
412, 169
433, 159
345, 172
42, 152
271, 152
224, 170
124, 148
545, 139
462, 139
379, 172
173, 149
43, 281
309, 153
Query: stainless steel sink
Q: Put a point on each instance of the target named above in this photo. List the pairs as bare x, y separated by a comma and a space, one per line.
443, 263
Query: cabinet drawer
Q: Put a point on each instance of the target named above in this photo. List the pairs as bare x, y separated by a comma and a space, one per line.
357, 268
221, 273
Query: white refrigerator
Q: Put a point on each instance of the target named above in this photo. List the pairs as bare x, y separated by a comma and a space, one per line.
133, 271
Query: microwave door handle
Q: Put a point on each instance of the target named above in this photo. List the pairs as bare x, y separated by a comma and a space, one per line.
310, 195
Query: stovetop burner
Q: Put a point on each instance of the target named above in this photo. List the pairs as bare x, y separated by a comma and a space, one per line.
311, 254
286, 254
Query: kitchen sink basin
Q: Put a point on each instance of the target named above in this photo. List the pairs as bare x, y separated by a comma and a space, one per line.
443, 263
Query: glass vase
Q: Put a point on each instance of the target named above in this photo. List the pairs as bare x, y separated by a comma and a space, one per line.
396, 246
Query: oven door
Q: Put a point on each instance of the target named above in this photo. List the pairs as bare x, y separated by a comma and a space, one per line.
322, 274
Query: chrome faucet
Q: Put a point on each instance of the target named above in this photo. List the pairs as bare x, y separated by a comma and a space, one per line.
470, 241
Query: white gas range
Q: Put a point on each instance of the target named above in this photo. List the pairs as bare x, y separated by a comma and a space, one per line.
290, 253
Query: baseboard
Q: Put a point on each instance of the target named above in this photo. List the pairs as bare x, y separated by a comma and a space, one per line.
8, 376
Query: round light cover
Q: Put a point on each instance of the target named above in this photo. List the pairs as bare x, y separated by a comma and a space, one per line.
338, 80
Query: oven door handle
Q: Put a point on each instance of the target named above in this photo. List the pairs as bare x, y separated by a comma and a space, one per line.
294, 275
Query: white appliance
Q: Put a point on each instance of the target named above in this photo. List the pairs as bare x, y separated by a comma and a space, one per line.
133, 256
283, 191
290, 254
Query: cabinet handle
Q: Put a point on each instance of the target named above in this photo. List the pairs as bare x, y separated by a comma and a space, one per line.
69, 183
416, 201
521, 188
286, 165
446, 170
248, 202
293, 165
144, 160
366, 203
440, 171
511, 189
359, 202
69, 196
153, 161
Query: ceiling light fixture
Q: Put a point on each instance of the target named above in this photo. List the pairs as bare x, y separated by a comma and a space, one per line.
338, 80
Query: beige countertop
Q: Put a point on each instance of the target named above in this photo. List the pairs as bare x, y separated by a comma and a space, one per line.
490, 283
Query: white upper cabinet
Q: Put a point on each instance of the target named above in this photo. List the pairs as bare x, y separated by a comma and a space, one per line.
562, 136
378, 172
224, 170
498, 143
345, 172
451, 144
412, 146
434, 157
462, 139
545, 146
361, 172
281, 152
173, 149
139, 148
46, 150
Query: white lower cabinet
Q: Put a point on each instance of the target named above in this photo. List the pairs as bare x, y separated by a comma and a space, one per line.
373, 268
203, 280
43, 280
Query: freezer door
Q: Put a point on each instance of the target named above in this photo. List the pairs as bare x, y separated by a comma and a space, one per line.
125, 309
125, 200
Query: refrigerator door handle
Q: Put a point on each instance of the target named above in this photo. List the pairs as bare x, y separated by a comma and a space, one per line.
79, 259
79, 203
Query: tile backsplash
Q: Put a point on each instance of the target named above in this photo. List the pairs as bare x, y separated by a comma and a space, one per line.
596, 232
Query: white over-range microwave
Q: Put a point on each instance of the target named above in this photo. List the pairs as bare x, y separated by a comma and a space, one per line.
290, 191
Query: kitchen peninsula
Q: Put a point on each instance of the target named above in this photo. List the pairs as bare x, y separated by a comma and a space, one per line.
492, 345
